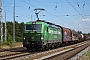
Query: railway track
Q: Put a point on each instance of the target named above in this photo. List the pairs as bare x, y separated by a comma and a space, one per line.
13, 56
15, 53
67, 53
11, 53
12, 49
22, 54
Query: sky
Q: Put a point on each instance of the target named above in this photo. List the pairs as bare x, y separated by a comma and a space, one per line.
73, 14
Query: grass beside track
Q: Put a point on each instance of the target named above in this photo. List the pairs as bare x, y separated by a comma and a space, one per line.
17, 44
85, 56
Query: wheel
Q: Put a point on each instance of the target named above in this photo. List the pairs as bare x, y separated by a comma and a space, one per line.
43, 48
46, 47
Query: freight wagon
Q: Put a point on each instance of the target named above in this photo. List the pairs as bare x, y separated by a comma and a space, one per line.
66, 35
75, 36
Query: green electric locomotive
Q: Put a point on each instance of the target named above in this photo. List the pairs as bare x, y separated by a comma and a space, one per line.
41, 35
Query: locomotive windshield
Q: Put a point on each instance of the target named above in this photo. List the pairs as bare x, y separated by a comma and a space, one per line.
33, 27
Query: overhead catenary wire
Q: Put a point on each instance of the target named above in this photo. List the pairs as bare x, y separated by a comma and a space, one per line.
32, 5
29, 5
49, 12
55, 10
84, 4
75, 9
22, 7
51, 8
80, 7
15, 12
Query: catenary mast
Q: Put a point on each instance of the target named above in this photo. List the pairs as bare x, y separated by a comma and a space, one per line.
1, 23
14, 22
5, 28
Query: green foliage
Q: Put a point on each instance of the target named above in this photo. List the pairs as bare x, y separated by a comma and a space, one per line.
88, 54
85, 57
19, 28
9, 40
80, 32
19, 31
19, 39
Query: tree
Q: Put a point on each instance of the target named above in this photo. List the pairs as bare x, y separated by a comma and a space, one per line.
19, 28
79, 32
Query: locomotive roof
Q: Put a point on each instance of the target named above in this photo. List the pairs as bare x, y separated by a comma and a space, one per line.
48, 23
53, 24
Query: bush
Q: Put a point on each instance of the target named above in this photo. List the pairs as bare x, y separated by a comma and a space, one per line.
19, 39
7, 43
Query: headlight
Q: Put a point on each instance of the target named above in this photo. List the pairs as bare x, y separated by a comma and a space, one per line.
24, 38
41, 38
